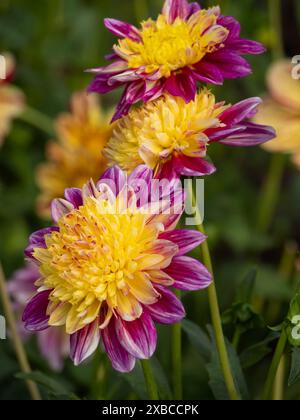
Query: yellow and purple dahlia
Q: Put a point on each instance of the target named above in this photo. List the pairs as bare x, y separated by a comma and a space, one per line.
281, 109
172, 137
107, 266
52, 343
77, 156
186, 44
11, 99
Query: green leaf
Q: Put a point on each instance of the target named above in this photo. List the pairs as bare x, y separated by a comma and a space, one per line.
271, 285
216, 381
198, 338
254, 354
246, 287
136, 380
295, 368
54, 387
163, 385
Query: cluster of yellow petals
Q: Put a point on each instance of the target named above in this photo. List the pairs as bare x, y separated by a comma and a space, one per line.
153, 133
77, 156
168, 47
102, 257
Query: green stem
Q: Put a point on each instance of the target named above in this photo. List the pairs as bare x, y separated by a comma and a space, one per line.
276, 25
215, 309
270, 192
278, 391
236, 338
18, 345
39, 120
150, 380
281, 345
177, 358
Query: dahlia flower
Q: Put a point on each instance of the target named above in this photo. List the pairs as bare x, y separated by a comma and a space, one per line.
186, 44
77, 156
107, 265
52, 343
281, 109
11, 99
172, 137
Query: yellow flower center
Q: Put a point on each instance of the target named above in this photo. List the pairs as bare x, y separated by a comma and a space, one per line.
155, 132
169, 47
98, 256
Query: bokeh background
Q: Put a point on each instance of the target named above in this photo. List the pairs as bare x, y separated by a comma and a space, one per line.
54, 41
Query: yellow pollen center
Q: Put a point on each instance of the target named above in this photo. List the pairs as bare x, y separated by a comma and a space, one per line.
169, 47
97, 256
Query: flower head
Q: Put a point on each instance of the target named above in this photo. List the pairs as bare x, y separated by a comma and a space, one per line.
77, 156
11, 99
172, 137
52, 343
186, 44
106, 267
281, 109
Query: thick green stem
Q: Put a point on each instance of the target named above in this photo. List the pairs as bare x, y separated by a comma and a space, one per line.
17, 342
276, 25
39, 120
270, 193
215, 309
281, 345
177, 358
278, 389
150, 380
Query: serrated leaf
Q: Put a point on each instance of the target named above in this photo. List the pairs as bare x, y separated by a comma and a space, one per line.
198, 338
216, 381
295, 367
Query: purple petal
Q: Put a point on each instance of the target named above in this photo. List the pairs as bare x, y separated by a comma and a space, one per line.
189, 274
54, 347
253, 135
138, 337
229, 64
21, 285
121, 360
74, 196
186, 240
84, 342
240, 111
232, 25
194, 166
140, 180
122, 29
183, 85
208, 72
194, 8
37, 240
217, 134
176, 8
35, 315
168, 309
115, 178
246, 46
133, 93
59, 208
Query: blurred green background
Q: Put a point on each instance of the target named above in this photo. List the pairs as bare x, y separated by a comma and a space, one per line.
54, 41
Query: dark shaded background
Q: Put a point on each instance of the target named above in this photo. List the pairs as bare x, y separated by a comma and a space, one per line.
54, 41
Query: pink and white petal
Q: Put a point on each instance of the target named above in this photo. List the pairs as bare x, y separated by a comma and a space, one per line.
168, 309
121, 360
176, 8
189, 274
140, 181
122, 29
240, 111
59, 208
115, 178
185, 239
89, 190
84, 342
160, 277
252, 135
35, 316
74, 196
138, 337
195, 166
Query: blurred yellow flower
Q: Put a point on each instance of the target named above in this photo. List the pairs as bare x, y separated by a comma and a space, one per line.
281, 109
77, 156
11, 99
